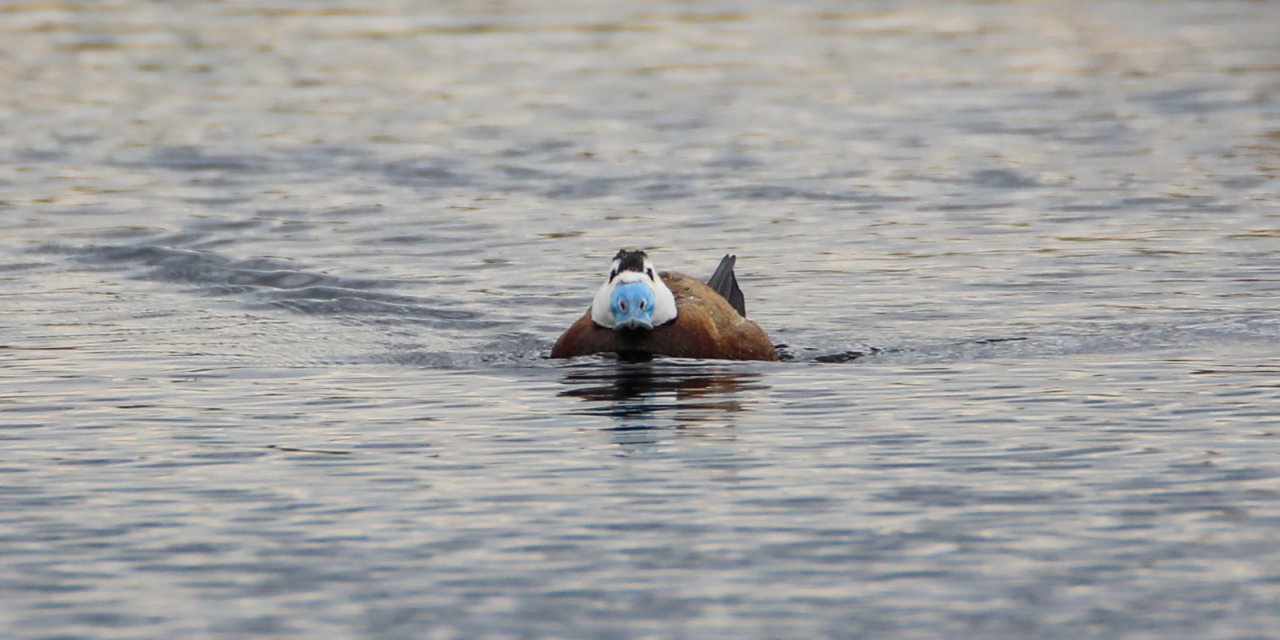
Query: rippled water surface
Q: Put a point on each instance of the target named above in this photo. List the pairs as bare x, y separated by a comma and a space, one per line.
278, 280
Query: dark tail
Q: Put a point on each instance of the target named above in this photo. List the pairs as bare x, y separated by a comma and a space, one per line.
725, 284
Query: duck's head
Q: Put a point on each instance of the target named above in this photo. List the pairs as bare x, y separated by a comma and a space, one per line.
633, 296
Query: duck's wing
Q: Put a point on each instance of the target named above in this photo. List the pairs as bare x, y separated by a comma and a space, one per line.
726, 284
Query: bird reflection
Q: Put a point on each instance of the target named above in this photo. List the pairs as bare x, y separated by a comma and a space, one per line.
639, 392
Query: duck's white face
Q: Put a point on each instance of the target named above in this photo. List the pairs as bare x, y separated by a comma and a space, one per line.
633, 296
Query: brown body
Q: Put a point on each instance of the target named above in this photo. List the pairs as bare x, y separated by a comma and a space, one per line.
706, 326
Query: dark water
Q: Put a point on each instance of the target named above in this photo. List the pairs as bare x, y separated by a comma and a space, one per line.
277, 282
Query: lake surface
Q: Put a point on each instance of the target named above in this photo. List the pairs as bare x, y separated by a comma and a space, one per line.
278, 282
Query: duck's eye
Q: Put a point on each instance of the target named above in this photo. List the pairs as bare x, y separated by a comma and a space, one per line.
649, 272
622, 305
643, 304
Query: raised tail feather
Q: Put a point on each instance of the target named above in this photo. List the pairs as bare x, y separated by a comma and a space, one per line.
726, 284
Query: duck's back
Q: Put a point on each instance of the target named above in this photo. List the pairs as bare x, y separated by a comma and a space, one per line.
706, 326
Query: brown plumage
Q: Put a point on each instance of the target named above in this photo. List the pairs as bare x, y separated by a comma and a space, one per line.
706, 326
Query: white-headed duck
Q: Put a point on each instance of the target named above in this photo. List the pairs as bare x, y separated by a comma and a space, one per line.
639, 313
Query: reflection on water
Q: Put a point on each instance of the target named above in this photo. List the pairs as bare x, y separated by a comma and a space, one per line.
635, 391
649, 403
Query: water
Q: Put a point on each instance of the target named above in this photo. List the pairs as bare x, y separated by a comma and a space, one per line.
278, 281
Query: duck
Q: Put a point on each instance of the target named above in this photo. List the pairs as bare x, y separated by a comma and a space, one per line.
639, 312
